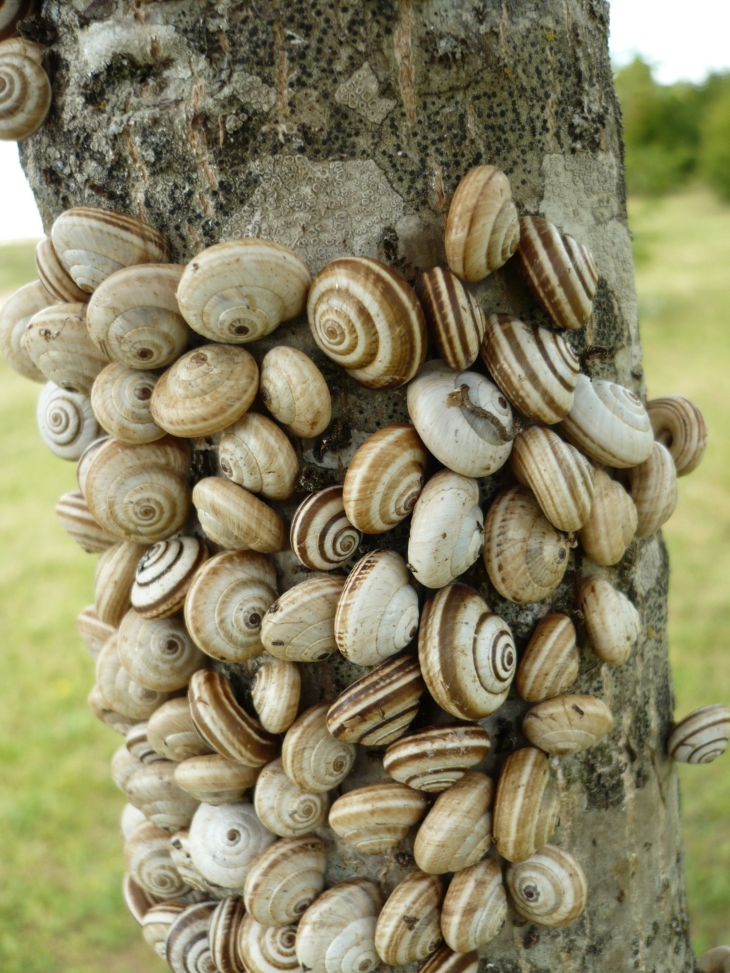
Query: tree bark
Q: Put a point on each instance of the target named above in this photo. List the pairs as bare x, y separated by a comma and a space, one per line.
344, 128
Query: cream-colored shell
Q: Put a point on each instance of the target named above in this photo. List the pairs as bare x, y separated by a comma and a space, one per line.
76, 518
285, 879
612, 522
550, 662
700, 737
311, 757
680, 426
122, 693
180, 851
120, 398
336, 933
58, 344
549, 888
130, 818
225, 928
567, 724
16, 312
147, 859
258, 455
92, 630
154, 791
321, 536
156, 924
213, 779
526, 805
267, 949
225, 840
139, 745
234, 518
453, 315
375, 818
444, 960
187, 949
25, 96
164, 575
475, 907
13, 11
612, 622
275, 692
294, 391
54, 277
300, 625
433, 758
653, 488
82, 467
123, 764
283, 807
716, 960
66, 421
115, 571
408, 927
158, 652
457, 831
172, 734
106, 714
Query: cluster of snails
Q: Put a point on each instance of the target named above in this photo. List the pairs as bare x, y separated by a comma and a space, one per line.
143, 364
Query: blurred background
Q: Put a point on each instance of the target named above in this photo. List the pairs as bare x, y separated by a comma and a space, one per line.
60, 854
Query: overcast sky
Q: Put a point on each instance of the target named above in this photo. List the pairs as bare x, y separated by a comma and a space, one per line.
681, 38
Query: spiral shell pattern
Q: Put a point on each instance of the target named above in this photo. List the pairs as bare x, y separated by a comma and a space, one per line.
57, 342
283, 807
225, 927
258, 455
66, 421
224, 841
153, 790
164, 574
120, 398
171, 732
285, 879
475, 906
267, 949
15, 314
433, 758
321, 536
158, 653
700, 737
300, 625
612, 621
137, 901
444, 960
310, 755
336, 933
54, 277
454, 317
418, 899
680, 426
148, 861
157, 921
25, 96
549, 888
124, 694
375, 818
187, 948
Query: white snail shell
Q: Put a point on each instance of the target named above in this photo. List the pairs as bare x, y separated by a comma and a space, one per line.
653, 489
475, 906
433, 758
375, 818
122, 693
106, 714
454, 317
285, 879
113, 581
187, 949
549, 888
612, 522
525, 806
417, 898
457, 831
225, 840
225, 928
267, 949
680, 426
283, 807
567, 724
54, 277
123, 764
336, 933
156, 923
300, 625
57, 342
700, 737
158, 652
550, 662
234, 518
25, 96
164, 574
16, 312
131, 818
275, 692
171, 732
92, 630
120, 398
212, 779
180, 851
148, 861
154, 791
294, 391
311, 757
76, 518
321, 536
66, 421
612, 622
258, 455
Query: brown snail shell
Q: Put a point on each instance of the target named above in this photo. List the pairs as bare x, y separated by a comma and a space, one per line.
526, 805
275, 694
283, 807
213, 779
76, 518
375, 818
567, 724
453, 315
180, 851
716, 960
549, 888
311, 757
148, 861
475, 906
58, 344
158, 652
187, 948
156, 923
234, 518
321, 536
653, 489
418, 899
92, 630
137, 901
285, 879
612, 522
82, 467
54, 277
164, 574
16, 312
433, 758
66, 421
300, 625
612, 622
25, 96
336, 933
153, 790
256, 454
139, 745
700, 737
172, 734
113, 581
11, 12
294, 391
680, 426
551, 660
223, 933
444, 960
122, 693
225, 840
457, 831
267, 949
120, 398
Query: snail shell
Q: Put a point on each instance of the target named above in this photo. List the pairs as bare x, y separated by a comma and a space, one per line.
275, 694
66, 421
653, 488
241, 290
149, 863
164, 574
467, 655
375, 818
180, 851
549, 888
25, 96
120, 398
608, 423
156, 923
267, 949
235, 518
482, 228
560, 272
158, 652
137, 901
311, 757
567, 724
213, 779
226, 603
16, 312
224, 841
92, 630
106, 714
172, 734
384, 478
535, 368
525, 556
300, 625
716, 960
82, 467
123, 764
76, 518
559, 476
408, 927
283, 807
93, 243
139, 746
680, 426
54, 277
377, 708
463, 419
11, 12
612, 522
445, 960
377, 613
475, 906
447, 529
612, 622
700, 737
526, 805
223, 724
58, 344
113, 581
321, 536
454, 318
294, 391
187, 948
122, 693
433, 758
225, 927
285, 879
551, 660
366, 318
153, 790
457, 831
130, 819
256, 454
336, 933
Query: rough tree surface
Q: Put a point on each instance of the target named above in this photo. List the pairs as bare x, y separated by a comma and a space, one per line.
343, 128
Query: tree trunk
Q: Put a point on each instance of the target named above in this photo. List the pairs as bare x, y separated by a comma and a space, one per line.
344, 128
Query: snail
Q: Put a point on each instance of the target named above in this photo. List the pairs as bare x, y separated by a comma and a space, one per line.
11, 13
716, 960
164, 574
242, 290
475, 907
679, 425
300, 625
283, 807
234, 518
433, 758
275, 694
156, 923
526, 805
120, 398
551, 660
336, 933
15, 314
256, 454
284, 880
453, 315
82, 467
25, 95
122, 765
567, 724
462, 418
120, 691
113, 581
187, 949
267, 949
612, 522
653, 489
445, 960
158, 652
549, 888
700, 737
149, 863
482, 228
612, 622
92, 630
139, 745
76, 518
66, 421
53, 275
560, 272
212, 779
446, 533
467, 654
408, 927
313, 759
180, 851
375, 818
171, 732
294, 391
131, 817
321, 536
368, 320
153, 790
57, 342
225, 839
223, 933
106, 714
457, 831
377, 612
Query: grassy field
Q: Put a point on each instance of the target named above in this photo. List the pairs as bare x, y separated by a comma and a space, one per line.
60, 858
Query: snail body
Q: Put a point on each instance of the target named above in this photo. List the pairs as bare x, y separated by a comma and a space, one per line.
225, 840
680, 426
612, 622
234, 518
612, 522
255, 453
321, 536
58, 344
567, 724
66, 421
284, 808
300, 625
457, 831
549, 888
294, 391
15, 314
375, 818
700, 737
455, 320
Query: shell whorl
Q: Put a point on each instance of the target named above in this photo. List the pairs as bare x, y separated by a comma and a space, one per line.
549, 888
521, 789
612, 621
76, 518
66, 421
148, 861
653, 489
285, 879
700, 737
212, 779
300, 625
275, 692
234, 518
375, 818
225, 928
267, 949
551, 660
567, 724
433, 758
336, 933
225, 840
164, 574
416, 899
15, 314
457, 831
120, 398
311, 757
284, 808
25, 96
158, 653
295, 392
11, 12
680, 426
612, 522
475, 907
258, 455
321, 536
54, 276
187, 947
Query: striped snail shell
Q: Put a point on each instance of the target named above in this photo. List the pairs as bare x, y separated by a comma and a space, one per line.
294, 391
551, 660
377, 613
234, 518
82, 467
122, 693
612, 522
171, 732
462, 418
525, 556
716, 960
255, 453
612, 622
92, 630
457, 831
384, 478
225, 928
275, 692
300, 625
336, 933
321, 536
653, 489
608, 423
567, 724
446, 534
680, 426
123, 764
242, 290
133, 317
66, 421
149, 863
113, 581
106, 714
57, 342
130, 818
153, 790
549, 888
226, 604
212, 779
378, 708
285, 879
475, 906
25, 96
180, 851
560, 272
16, 312
224, 841
139, 745
267, 949
408, 927
433, 758
120, 398
375, 818
454, 317
76, 518
54, 277
137, 901
467, 654
11, 12
560, 477
187, 949
444, 960
700, 737
311, 757
164, 574
366, 318
158, 652
526, 805
482, 228
92, 243
283, 807
535, 368
156, 923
